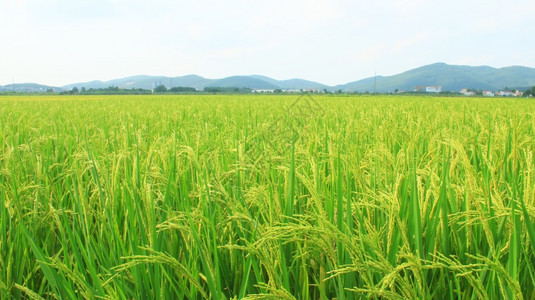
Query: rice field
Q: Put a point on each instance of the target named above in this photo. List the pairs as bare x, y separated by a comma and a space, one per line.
266, 197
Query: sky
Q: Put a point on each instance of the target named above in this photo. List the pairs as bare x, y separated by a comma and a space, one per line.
58, 42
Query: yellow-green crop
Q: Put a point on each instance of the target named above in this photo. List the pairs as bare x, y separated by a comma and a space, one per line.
275, 197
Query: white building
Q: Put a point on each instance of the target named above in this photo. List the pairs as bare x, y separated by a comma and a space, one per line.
428, 89
260, 91
433, 89
467, 93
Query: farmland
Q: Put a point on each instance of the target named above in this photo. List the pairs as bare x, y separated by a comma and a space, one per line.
266, 197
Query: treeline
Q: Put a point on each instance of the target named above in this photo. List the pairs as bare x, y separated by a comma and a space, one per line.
227, 90
112, 90
161, 90
530, 92
207, 90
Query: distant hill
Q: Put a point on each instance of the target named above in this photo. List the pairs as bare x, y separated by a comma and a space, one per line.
145, 82
28, 88
243, 82
295, 83
198, 82
449, 77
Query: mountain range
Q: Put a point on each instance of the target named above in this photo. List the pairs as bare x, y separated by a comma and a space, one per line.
198, 82
449, 77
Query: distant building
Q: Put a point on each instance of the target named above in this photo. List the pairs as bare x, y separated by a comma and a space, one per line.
503, 93
428, 89
488, 93
513, 93
156, 84
467, 92
260, 91
433, 89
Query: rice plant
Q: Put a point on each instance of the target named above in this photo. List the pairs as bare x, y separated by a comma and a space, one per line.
266, 197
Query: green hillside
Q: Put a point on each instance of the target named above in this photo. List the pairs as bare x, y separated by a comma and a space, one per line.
243, 82
449, 77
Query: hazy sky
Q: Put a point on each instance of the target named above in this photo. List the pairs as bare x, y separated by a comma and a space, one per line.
57, 42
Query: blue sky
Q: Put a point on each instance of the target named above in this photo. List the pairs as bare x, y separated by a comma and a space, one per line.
59, 42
